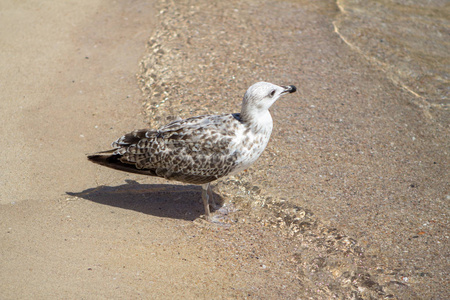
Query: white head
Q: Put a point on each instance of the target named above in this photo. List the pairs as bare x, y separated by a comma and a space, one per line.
260, 97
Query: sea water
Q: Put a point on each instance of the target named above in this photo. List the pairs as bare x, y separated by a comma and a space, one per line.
408, 39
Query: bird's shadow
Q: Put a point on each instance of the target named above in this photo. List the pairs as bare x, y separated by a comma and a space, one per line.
162, 200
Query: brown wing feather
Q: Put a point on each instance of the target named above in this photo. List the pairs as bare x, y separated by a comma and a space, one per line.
194, 150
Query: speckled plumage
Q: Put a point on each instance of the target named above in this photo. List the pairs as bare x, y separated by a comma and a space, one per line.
201, 149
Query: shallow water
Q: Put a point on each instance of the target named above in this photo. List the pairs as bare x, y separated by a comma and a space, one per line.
345, 146
408, 39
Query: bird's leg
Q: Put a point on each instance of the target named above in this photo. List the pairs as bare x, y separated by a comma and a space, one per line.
211, 197
205, 197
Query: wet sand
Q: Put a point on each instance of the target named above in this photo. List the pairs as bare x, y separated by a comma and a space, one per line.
349, 200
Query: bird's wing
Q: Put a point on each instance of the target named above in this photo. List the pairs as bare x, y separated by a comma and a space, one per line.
194, 150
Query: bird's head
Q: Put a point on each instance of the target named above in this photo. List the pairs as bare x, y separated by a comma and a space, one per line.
260, 97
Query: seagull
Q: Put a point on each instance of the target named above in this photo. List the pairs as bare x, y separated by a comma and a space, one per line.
200, 149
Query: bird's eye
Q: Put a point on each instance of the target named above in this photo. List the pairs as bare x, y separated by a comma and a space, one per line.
272, 93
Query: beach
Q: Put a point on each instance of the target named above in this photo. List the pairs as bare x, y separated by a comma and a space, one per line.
349, 200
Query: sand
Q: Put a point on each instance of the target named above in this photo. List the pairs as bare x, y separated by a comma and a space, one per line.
350, 199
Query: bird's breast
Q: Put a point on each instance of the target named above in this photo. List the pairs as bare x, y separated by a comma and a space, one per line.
250, 145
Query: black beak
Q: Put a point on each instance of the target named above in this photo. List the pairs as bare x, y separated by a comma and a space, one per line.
289, 89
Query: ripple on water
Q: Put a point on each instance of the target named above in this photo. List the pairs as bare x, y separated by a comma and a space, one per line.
408, 39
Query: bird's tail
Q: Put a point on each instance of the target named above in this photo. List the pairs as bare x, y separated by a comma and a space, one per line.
113, 161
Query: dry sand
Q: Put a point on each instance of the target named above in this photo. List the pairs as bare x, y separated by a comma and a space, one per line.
349, 200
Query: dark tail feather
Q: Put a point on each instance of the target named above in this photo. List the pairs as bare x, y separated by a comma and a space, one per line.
113, 161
